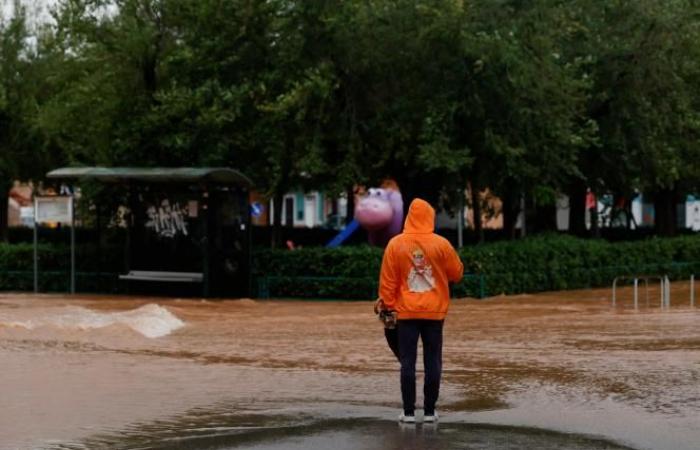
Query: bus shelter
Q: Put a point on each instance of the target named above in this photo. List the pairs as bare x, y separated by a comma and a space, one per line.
187, 229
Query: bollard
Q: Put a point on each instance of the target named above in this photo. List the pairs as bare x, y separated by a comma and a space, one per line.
636, 292
692, 291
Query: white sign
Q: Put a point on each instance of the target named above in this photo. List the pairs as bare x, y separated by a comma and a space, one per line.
692, 213
57, 209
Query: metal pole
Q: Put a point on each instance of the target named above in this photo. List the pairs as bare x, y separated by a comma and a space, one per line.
72, 242
205, 243
667, 292
36, 253
663, 292
692, 291
636, 293
524, 213
614, 285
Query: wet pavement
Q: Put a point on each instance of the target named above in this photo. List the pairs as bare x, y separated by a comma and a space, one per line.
379, 435
555, 370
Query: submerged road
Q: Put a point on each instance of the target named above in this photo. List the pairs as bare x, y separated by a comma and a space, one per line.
555, 370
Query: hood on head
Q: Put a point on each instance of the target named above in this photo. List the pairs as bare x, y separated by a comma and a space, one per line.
421, 217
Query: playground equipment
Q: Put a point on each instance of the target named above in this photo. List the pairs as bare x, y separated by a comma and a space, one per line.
664, 288
345, 233
380, 212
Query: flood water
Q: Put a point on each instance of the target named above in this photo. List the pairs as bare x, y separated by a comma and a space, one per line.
548, 371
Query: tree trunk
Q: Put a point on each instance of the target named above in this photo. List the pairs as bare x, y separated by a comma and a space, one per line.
4, 206
510, 211
424, 185
476, 209
577, 208
546, 218
595, 226
665, 215
276, 237
350, 192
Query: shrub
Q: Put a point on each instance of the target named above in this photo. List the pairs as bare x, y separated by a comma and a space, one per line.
17, 267
541, 263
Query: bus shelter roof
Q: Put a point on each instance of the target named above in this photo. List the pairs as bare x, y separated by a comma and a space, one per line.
165, 175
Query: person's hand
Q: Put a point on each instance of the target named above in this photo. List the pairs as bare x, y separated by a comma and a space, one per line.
378, 306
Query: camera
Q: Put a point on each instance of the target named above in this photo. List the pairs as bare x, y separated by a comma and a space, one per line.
388, 318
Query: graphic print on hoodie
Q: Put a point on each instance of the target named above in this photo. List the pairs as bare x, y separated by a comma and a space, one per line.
420, 278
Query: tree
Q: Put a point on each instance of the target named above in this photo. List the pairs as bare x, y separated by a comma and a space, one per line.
642, 58
24, 154
526, 99
519, 109
394, 62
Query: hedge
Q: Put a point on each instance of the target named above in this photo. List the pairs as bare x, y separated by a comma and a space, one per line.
93, 273
542, 263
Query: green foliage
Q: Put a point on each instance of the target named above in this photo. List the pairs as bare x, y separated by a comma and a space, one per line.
316, 272
23, 152
549, 262
56, 257
531, 265
523, 98
349, 262
20, 257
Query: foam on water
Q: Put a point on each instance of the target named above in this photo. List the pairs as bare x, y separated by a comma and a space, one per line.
150, 320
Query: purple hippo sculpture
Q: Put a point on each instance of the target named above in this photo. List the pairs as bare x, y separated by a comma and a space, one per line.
380, 212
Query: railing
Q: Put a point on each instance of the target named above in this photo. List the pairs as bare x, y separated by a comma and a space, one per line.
664, 289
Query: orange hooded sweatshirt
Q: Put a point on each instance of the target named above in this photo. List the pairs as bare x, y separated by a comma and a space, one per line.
417, 267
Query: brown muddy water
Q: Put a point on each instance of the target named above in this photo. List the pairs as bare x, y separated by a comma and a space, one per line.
549, 371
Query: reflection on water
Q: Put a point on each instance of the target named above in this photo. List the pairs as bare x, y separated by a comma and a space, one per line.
272, 433
389, 435
102, 372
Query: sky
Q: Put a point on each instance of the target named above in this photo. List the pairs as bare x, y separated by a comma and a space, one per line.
38, 9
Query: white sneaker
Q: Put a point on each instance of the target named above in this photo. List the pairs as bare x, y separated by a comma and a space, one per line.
431, 419
403, 418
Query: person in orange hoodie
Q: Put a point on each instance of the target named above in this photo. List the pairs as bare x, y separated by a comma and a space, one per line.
414, 281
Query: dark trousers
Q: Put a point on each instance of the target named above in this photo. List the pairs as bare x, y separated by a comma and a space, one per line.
430, 332
392, 338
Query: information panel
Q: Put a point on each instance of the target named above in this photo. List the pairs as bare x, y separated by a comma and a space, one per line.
56, 209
